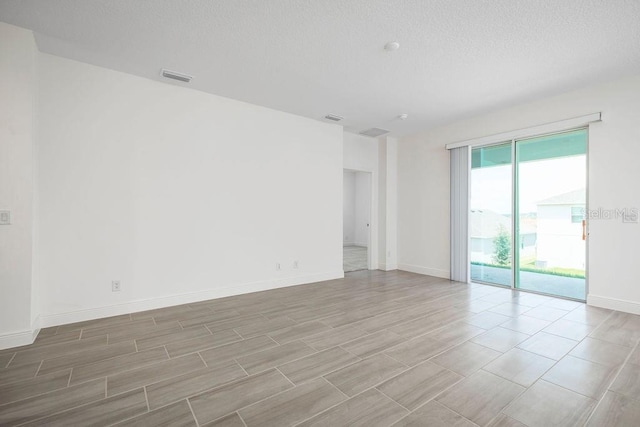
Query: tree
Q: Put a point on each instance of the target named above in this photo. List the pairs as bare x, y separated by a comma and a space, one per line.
502, 247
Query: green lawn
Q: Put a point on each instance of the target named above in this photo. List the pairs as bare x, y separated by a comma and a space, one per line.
529, 264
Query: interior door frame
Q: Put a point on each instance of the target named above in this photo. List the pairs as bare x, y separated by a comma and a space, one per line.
372, 246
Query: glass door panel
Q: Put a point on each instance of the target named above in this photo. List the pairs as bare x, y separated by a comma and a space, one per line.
490, 204
550, 247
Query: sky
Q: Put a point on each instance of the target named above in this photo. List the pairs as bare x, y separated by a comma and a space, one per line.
539, 180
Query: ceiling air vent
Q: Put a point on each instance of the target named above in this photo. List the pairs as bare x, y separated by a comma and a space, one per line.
333, 117
374, 132
176, 76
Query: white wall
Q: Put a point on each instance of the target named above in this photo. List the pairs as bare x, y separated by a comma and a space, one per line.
18, 300
362, 217
179, 194
614, 149
349, 207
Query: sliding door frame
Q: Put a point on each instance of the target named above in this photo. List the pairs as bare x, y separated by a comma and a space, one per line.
515, 208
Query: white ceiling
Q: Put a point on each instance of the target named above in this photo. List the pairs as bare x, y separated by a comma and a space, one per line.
312, 57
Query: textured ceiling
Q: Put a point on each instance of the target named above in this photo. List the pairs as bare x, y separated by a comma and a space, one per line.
312, 57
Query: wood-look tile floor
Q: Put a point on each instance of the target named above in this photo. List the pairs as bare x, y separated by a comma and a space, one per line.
373, 349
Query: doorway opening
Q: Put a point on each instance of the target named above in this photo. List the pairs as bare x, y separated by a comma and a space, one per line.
356, 222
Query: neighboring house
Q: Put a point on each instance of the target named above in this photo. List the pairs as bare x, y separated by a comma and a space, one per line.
560, 241
484, 226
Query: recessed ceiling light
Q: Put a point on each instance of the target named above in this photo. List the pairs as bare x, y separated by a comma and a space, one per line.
391, 46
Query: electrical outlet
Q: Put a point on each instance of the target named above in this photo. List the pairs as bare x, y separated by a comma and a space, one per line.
115, 286
278, 266
5, 217
295, 264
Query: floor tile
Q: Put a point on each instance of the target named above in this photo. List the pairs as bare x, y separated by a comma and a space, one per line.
204, 342
500, 339
368, 409
628, 382
237, 322
334, 337
34, 386
374, 343
5, 358
175, 415
430, 323
362, 375
433, 414
564, 304
293, 333
191, 383
86, 357
42, 405
504, 421
456, 333
264, 327
114, 365
487, 319
510, 309
544, 312
237, 349
588, 315
520, 367
600, 352
548, 405
37, 354
18, 373
526, 325
113, 320
582, 376
548, 345
213, 404
615, 410
417, 350
274, 356
293, 406
149, 374
103, 412
316, 365
231, 420
568, 329
480, 397
419, 384
466, 358
176, 337
139, 326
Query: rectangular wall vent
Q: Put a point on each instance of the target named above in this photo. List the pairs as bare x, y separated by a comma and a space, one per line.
374, 132
176, 76
333, 117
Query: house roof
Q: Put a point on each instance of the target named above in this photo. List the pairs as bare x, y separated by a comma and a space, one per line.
576, 197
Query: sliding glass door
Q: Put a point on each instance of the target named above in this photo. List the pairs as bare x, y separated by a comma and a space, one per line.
527, 222
551, 174
490, 208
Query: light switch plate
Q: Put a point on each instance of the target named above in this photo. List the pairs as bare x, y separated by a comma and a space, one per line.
5, 217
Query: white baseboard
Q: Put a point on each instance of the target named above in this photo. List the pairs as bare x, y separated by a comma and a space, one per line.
424, 270
614, 304
17, 339
168, 301
387, 267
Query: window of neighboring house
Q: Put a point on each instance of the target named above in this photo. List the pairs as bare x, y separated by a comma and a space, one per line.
577, 214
